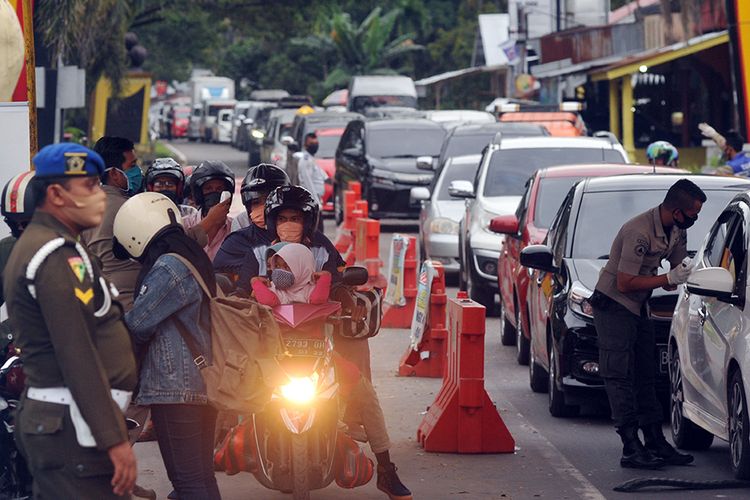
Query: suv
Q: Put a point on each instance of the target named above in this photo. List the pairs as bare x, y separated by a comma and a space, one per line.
388, 157
564, 352
506, 165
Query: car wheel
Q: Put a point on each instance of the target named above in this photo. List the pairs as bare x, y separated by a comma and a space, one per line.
522, 343
538, 378
739, 428
557, 406
507, 332
685, 434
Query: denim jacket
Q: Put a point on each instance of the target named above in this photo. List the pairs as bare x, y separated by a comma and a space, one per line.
170, 293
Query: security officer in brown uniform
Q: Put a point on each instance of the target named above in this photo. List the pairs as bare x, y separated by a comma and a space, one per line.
76, 350
627, 351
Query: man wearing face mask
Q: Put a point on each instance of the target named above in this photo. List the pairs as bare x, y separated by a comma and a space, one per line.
166, 176
247, 246
627, 351
76, 350
209, 180
311, 176
121, 178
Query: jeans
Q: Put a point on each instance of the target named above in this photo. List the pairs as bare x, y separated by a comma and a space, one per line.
627, 363
186, 440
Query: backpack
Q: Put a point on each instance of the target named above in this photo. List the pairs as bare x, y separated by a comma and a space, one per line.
245, 343
365, 308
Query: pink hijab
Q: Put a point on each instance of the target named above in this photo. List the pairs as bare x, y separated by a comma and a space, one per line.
301, 263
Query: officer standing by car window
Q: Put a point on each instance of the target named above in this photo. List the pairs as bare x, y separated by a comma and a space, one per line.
627, 350
75, 348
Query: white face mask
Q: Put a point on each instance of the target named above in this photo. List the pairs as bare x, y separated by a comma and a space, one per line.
86, 211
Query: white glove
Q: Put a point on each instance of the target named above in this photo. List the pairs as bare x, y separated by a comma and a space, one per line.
710, 132
680, 273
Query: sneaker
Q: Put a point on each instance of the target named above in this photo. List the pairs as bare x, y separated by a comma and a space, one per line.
390, 484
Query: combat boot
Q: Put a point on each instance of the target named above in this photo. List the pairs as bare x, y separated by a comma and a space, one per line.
634, 454
655, 442
390, 484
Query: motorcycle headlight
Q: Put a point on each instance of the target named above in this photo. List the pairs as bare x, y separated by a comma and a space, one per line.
578, 300
300, 390
443, 226
257, 134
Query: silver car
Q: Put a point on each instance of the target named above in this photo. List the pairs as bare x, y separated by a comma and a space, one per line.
441, 212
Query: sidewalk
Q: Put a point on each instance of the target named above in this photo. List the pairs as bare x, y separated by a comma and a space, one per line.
536, 470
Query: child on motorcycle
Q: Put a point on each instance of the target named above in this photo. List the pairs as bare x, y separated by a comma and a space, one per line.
293, 277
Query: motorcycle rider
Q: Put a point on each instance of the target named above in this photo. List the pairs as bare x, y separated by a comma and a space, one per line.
258, 182
243, 249
662, 153
208, 181
17, 206
166, 176
736, 158
70, 424
292, 216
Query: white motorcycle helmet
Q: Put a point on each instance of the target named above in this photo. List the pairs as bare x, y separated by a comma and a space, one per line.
139, 220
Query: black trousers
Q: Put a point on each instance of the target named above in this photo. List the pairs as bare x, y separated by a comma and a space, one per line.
186, 441
627, 363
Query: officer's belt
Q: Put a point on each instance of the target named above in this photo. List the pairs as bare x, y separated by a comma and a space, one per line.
63, 396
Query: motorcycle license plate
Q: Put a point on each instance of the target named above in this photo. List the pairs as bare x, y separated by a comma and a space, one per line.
663, 358
305, 347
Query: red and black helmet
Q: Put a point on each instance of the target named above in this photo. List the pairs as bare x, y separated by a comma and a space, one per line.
18, 202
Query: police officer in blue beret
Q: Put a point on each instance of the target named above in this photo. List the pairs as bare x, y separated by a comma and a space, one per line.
80, 371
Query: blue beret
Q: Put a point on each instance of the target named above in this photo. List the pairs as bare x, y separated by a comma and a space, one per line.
67, 159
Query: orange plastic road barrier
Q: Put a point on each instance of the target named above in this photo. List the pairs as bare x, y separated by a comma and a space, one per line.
463, 419
401, 316
356, 186
344, 237
350, 198
367, 246
428, 359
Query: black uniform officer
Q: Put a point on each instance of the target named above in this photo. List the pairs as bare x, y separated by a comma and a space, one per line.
627, 351
75, 348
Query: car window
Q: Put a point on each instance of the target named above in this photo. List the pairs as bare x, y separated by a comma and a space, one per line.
602, 214
523, 205
327, 145
734, 252
560, 237
461, 145
716, 242
552, 191
509, 168
406, 142
455, 171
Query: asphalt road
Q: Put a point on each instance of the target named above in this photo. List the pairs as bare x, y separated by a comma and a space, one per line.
555, 458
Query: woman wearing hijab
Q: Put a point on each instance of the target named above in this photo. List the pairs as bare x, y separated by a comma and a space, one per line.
169, 300
293, 277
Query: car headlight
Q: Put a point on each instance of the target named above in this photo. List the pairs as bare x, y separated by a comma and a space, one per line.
443, 226
300, 390
257, 134
485, 218
578, 300
382, 176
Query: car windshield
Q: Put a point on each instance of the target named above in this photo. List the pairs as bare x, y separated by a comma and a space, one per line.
375, 101
327, 146
460, 145
510, 168
552, 191
602, 214
456, 171
395, 143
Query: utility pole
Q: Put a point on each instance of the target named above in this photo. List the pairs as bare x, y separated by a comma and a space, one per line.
28, 41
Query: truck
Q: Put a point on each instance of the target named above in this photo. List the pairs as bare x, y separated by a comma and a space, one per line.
202, 89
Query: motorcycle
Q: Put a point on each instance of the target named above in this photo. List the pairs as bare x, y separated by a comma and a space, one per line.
295, 444
15, 479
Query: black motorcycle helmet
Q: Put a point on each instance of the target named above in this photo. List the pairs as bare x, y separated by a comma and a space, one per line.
18, 202
165, 166
292, 197
260, 180
209, 170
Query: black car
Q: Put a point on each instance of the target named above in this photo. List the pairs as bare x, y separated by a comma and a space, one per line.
564, 350
382, 155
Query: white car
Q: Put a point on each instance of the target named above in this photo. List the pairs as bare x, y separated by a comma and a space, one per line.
221, 130
709, 342
506, 165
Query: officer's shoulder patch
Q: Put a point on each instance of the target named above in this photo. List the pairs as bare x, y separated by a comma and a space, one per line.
641, 247
78, 267
84, 296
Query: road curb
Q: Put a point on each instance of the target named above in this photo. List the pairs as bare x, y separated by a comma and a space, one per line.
179, 155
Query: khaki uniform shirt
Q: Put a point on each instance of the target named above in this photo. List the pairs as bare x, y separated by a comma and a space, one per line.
72, 333
638, 250
123, 273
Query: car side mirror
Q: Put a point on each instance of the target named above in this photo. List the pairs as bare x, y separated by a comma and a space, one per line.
355, 276
461, 189
711, 282
538, 257
504, 224
352, 152
424, 162
420, 193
